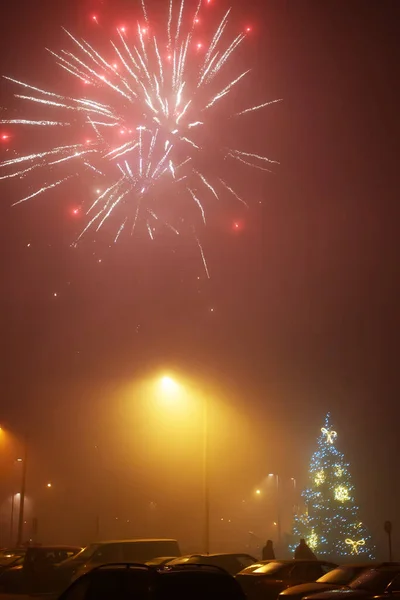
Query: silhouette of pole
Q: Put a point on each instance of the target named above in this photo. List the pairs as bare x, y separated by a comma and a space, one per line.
22, 495
206, 477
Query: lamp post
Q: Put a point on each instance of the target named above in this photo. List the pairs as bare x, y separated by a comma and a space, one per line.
22, 494
278, 507
171, 388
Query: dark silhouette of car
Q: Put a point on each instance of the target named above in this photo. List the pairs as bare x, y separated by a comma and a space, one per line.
232, 563
113, 551
338, 578
127, 581
159, 561
36, 572
376, 583
266, 579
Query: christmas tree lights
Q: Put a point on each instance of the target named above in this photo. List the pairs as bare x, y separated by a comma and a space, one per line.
331, 524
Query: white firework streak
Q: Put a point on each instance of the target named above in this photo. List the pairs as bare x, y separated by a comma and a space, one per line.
39, 155
120, 230
232, 191
207, 184
199, 204
43, 189
27, 122
227, 89
257, 156
258, 107
203, 257
71, 156
249, 164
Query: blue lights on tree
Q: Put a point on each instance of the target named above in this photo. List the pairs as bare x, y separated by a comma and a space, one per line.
331, 524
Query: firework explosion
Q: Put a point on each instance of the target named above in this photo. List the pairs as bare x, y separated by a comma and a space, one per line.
145, 109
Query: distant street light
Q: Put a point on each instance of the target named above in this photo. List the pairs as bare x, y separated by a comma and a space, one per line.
258, 492
49, 485
172, 391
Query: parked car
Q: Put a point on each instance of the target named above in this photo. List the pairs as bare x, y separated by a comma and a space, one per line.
340, 577
35, 573
233, 563
127, 581
115, 551
381, 582
159, 561
11, 557
266, 579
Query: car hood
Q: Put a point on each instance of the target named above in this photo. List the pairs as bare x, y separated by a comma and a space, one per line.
339, 594
309, 588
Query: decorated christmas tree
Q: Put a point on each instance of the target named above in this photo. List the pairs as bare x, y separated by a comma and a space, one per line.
331, 524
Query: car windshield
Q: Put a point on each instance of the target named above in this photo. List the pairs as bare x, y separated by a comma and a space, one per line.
269, 568
341, 575
373, 581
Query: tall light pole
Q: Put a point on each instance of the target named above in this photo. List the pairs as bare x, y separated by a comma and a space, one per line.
22, 494
278, 507
171, 388
206, 477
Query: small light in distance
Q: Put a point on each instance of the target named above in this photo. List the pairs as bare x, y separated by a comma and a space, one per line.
123, 29
248, 29
115, 66
197, 21
199, 46
144, 30
5, 136
55, 294
75, 211
237, 226
94, 18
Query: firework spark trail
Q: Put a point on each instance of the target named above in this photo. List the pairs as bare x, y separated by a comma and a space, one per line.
43, 189
199, 204
27, 122
257, 156
120, 230
203, 257
258, 107
162, 92
207, 184
232, 191
226, 90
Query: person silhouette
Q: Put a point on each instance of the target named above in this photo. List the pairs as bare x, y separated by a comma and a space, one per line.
268, 551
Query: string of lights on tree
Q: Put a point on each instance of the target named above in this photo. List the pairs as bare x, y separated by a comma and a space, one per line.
331, 524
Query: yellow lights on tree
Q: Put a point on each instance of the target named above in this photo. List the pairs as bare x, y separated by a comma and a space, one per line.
342, 493
338, 471
330, 435
355, 545
319, 477
312, 540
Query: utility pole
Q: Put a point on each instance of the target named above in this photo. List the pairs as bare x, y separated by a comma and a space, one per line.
22, 494
206, 476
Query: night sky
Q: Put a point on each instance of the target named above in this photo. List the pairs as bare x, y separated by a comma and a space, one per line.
300, 315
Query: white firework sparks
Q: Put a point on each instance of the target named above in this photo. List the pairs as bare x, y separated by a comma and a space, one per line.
143, 108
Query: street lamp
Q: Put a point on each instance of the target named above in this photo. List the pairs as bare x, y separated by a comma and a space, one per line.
24, 461
171, 391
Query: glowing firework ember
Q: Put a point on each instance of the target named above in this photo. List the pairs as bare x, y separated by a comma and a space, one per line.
145, 108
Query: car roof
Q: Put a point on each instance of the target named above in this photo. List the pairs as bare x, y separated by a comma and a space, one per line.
290, 561
136, 540
216, 554
55, 547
